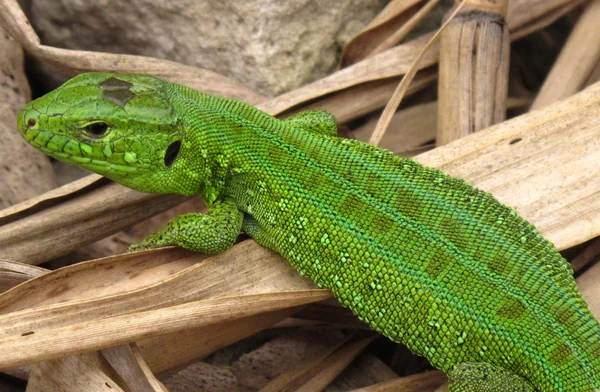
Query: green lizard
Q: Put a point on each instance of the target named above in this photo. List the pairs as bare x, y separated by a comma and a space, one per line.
424, 258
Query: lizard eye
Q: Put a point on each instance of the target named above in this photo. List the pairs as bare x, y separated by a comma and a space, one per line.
97, 129
172, 152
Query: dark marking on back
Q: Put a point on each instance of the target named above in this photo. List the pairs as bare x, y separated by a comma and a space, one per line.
498, 265
117, 91
561, 354
435, 266
352, 205
512, 308
382, 223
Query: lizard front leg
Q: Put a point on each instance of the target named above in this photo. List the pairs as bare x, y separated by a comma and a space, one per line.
211, 233
484, 377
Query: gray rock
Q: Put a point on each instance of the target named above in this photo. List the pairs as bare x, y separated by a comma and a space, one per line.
271, 46
24, 171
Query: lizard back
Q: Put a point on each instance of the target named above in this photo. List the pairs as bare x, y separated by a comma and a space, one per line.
424, 258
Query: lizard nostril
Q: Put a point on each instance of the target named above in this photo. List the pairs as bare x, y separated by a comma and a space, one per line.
31, 122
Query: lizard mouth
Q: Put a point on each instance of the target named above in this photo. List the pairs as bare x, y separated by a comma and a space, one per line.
71, 151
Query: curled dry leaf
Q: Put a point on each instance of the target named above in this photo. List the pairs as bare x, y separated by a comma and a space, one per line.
81, 373
577, 59
45, 231
333, 365
128, 363
13, 274
423, 382
111, 290
411, 128
47, 343
400, 92
297, 375
389, 20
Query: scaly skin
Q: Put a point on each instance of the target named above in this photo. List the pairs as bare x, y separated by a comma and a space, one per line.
424, 258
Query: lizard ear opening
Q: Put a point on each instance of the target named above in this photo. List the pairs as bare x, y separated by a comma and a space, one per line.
172, 152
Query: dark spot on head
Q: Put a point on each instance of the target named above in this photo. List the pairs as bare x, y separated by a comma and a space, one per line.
97, 129
31, 122
117, 91
172, 152
515, 141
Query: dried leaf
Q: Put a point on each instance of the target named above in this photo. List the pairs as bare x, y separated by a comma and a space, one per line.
297, 375
71, 373
113, 289
88, 214
423, 382
332, 366
389, 20
402, 88
34, 344
577, 60
131, 367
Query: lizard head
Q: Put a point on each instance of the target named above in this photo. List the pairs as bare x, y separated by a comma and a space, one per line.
121, 126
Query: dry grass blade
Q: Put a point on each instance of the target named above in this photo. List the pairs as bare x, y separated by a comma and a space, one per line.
590, 254
333, 314
394, 102
148, 280
335, 364
390, 20
293, 378
168, 353
13, 274
76, 61
131, 367
577, 59
87, 215
590, 289
522, 13
412, 127
51, 198
357, 101
408, 129
403, 32
128, 284
537, 23
423, 382
32, 345
81, 373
